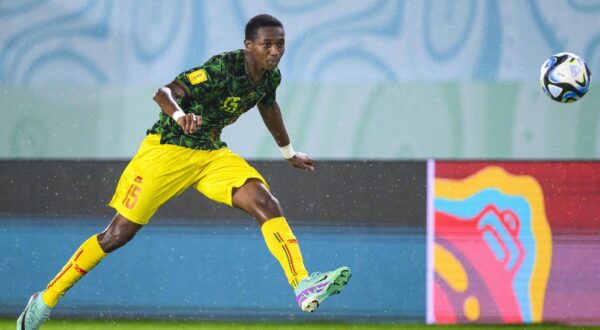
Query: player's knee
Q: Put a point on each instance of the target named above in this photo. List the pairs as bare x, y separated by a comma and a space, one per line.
267, 202
111, 240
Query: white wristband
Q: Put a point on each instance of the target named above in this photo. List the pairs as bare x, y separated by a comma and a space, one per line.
178, 114
287, 151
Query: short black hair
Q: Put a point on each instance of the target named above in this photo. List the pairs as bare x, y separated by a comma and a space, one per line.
258, 21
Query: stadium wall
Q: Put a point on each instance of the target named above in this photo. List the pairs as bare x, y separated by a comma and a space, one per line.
175, 269
362, 79
449, 242
200, 260
338, 192
388, 120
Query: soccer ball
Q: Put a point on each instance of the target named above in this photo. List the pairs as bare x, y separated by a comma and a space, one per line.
565, 77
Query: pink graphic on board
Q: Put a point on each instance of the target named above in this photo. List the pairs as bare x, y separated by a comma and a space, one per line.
492, 249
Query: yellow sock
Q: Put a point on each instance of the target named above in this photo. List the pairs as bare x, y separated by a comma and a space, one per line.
85, 258
283, 245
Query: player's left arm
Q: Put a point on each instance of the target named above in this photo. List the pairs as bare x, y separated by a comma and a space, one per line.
271, 115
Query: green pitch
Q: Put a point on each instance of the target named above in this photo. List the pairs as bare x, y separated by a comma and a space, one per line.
172, 325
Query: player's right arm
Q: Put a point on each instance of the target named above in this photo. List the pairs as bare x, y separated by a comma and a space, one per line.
165, 98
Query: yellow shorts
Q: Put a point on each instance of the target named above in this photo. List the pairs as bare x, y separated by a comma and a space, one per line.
159, 172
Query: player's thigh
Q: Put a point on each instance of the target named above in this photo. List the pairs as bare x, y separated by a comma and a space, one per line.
226, 172
156, 174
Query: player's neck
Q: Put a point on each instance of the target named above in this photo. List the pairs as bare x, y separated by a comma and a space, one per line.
254, 73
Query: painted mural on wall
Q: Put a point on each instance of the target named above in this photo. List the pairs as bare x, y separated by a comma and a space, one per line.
375, 79
136, 42
503, 235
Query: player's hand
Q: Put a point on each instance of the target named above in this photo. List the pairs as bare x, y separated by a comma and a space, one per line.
302, 161
190, 123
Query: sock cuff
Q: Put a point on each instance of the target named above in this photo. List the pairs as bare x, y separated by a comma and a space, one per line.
93, 255
94, 245
275, 224
49, 302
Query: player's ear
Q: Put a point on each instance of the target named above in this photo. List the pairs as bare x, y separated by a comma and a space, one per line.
247, 44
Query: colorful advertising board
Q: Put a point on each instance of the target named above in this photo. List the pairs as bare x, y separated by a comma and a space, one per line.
513, 242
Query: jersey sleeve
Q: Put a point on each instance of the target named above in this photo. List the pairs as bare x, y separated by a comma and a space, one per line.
274, 82
202, 79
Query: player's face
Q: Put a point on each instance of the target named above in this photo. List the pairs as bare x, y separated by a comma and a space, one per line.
268, 47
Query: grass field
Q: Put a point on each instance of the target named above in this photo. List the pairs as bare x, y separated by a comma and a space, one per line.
172, 325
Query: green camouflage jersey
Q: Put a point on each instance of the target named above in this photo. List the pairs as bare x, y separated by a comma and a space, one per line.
220, 91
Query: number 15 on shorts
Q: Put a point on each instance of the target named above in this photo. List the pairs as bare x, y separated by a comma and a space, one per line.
132, 196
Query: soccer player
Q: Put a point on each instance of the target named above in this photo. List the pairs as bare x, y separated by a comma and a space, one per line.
183, 149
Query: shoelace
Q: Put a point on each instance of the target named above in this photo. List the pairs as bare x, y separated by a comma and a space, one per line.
315, 275
308, 281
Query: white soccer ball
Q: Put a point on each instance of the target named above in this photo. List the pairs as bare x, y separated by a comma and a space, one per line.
565, 77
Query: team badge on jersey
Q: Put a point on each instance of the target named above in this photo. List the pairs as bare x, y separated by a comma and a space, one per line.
231, 104
197, 77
